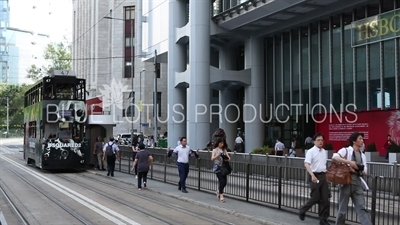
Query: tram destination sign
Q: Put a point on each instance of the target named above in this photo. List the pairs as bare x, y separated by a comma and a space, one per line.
376, 28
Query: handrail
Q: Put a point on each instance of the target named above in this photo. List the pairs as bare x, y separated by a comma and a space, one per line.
236, 9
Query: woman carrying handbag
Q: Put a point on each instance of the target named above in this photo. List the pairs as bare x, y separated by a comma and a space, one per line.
221, 166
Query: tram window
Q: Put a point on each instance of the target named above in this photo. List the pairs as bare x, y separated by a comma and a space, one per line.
65, 91
40, 94
50, 130
64, 130
32, 129
34, 98
48, 92
77, 130
80, 90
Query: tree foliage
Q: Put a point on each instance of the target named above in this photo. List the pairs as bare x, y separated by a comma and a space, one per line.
15, 93
59, 57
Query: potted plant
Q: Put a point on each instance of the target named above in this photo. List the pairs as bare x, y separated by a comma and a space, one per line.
269, 144
371, 152
394, 153
261, 151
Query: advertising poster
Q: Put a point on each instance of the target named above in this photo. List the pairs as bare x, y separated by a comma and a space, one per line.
375, 125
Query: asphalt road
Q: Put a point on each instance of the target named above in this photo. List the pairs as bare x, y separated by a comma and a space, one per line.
68, 197
265, 190
78, 198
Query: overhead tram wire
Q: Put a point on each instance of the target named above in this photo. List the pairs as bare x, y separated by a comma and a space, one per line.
108, 15
98, 58
97, 22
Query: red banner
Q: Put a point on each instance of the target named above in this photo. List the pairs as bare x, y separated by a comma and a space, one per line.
94, 106
375, 125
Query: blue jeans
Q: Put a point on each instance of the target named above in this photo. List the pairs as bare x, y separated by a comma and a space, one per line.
183, 169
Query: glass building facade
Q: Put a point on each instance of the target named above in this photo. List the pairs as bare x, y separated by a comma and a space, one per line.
320, 66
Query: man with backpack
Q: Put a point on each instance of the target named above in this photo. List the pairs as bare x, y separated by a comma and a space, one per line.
111, 150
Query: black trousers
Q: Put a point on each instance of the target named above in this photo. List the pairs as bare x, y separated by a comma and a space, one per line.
142, 175
134, 157
222, 180
183, 170
319, 194
111, 164
279, 153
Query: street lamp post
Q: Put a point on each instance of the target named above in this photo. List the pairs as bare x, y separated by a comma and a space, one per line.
8, 119
132, 63
155, 98
132, 68
140, 94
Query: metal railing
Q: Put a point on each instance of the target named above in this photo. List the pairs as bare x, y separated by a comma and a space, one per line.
277, 182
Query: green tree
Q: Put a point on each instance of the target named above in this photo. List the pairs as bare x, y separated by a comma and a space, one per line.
15, 93
59, 57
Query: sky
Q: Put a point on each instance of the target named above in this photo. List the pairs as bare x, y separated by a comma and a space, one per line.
52, 17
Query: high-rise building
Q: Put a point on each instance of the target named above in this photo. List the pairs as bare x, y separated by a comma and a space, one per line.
292, 68
4, 23
120, 92
19, 48
25, 48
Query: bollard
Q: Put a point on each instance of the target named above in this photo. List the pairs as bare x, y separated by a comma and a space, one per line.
373, 203
165, 168
199, 173
129, 163
247, 182
280, 187
396, 187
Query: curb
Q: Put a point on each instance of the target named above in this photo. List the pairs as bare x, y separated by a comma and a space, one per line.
205, 205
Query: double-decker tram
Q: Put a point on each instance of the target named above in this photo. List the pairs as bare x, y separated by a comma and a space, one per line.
54, 122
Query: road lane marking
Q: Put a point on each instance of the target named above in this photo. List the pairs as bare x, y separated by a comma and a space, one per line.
104, 211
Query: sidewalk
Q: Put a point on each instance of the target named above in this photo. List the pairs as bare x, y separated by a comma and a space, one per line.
253, 212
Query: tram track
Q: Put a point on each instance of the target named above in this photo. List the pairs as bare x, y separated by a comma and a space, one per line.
52, 199
13, 206
175, 207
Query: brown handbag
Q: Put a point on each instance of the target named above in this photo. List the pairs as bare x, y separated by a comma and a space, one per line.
339, 173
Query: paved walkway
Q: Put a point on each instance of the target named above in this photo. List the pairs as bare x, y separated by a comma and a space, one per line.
242, 209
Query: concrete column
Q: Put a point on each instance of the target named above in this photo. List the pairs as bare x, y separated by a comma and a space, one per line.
227, 99
176, 63
229, 115
199, 81
254, 95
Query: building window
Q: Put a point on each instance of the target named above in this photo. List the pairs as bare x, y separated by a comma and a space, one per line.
128, 68
128, 41
130, 13
129, 35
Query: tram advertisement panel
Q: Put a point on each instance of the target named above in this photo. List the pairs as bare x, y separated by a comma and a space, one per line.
375, 125
64, 129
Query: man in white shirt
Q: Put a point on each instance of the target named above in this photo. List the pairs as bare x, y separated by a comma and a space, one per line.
315, 164
279, 146
183, 151
178, 142
111, 157
239, 144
